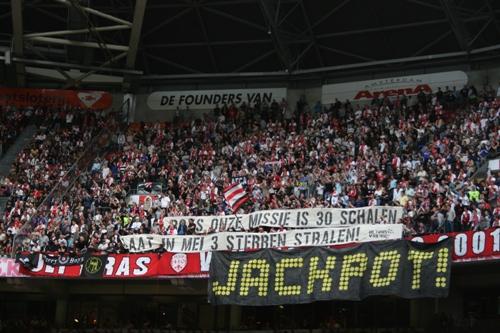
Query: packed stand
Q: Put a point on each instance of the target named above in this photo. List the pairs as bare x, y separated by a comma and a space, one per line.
61, 138
12, 123
417, 152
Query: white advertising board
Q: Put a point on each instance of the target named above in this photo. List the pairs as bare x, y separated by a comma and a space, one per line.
392, 87
208, 99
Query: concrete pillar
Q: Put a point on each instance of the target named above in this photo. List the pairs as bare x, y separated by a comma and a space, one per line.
61, 312
235, 317
421, 312
452, 305
220, 316
206, 316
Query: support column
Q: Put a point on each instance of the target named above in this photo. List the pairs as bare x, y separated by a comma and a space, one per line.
206, 316
234, 317
421, 312
61, 312
18, 44
452, 306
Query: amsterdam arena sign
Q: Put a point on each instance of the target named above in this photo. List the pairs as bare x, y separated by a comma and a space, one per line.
392, 87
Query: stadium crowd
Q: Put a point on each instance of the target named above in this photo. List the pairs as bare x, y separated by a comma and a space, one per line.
419, 152
61, 137
12, 122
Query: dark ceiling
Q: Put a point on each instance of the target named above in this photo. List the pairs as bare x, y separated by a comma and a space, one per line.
224, 36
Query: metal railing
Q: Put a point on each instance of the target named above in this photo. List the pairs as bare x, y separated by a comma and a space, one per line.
482, 170
65, 183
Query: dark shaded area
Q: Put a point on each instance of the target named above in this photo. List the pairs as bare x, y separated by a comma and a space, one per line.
221, 36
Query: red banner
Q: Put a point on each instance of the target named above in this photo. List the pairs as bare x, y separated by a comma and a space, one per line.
55, 98
467, 246
470, 245
9, 268
134, 266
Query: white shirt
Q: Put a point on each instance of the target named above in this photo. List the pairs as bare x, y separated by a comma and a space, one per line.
136, 225
165, 202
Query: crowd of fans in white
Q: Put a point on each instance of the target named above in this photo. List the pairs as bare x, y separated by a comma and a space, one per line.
418, 152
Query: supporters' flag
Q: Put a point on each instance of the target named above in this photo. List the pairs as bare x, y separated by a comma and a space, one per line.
28, 260
93, 266
235, 196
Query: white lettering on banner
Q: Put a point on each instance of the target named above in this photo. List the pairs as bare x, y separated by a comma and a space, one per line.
205, 258
478, 240
496, 240
494, 165
392, 87
469, 245
9, 268
208, 99
295, 218
460, 245
241, 241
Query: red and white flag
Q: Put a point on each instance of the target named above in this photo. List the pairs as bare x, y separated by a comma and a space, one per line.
235, 196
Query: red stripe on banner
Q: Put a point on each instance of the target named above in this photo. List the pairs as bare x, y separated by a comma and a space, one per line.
144, 265
229, 187
237, 205
232, 190
468, 246
235, 195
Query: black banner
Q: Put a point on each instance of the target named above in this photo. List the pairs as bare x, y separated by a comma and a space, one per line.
93, 266
28, 260
271, 277
63, 260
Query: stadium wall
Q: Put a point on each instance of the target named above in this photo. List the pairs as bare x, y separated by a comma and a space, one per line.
474, 288
311, 90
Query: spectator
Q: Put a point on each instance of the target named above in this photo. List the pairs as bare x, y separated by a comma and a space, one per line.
420, 156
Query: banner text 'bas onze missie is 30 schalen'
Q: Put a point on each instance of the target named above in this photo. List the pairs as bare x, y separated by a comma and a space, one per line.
293, 218
271, 277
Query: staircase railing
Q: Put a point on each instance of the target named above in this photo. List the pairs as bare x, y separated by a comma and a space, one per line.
96, 144
483, 168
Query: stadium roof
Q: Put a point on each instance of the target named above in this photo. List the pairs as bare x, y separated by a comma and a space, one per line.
175, 38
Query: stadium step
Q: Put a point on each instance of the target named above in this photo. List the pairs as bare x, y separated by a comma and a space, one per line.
10, 156
3, 203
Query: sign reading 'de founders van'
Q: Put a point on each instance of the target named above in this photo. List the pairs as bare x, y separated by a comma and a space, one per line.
270, 277
392, 87
208, 99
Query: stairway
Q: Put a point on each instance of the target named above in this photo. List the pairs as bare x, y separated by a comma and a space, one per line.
3, 203
10, 156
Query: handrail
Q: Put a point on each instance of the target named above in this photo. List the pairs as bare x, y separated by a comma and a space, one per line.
118, 118
92, 144
100, 150
484, 165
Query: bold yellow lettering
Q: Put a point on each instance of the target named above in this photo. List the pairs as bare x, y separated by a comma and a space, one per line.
353, 265
279, 283
320, 274
378, 281
259, 281
417, 257
442, 267
226, 290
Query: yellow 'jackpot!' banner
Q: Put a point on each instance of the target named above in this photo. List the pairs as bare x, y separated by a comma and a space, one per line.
270, 277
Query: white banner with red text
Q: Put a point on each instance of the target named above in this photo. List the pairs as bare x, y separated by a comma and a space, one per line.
243, 241
392, 87
293, 218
